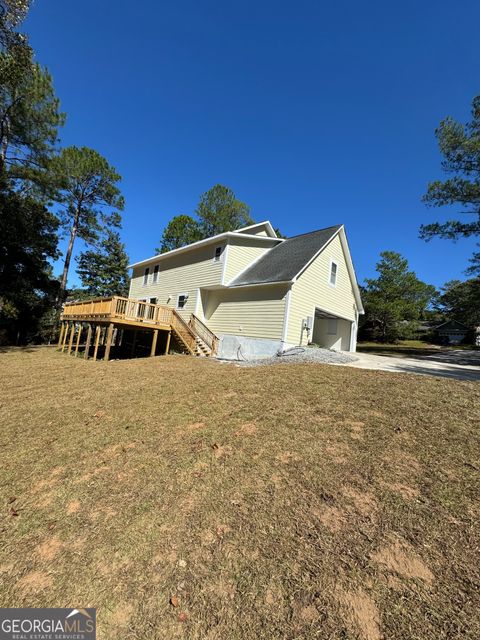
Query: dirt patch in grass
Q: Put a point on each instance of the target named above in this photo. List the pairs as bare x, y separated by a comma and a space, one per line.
399, 557
34, 583
360, 613
299, 501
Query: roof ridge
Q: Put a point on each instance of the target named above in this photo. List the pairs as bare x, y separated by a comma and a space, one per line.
308, 233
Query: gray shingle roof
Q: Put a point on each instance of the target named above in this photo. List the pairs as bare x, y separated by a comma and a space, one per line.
287, 259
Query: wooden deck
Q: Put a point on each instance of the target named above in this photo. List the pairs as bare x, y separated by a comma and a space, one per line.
106, 319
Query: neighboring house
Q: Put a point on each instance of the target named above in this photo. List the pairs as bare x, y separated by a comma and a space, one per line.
452, 332
260, 293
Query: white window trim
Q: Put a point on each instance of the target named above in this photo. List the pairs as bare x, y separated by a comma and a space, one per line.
333, 284
185, 294
218, 246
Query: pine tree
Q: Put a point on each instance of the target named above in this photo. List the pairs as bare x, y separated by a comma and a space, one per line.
104, 272
87, 190
28, 240
12, 13
395, 297
460, 146
461, 301
29, 118
219, 211
180, 231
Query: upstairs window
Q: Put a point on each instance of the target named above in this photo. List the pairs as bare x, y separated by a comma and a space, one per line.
182, 300
218, 254
333, 273
145, 276
155, 274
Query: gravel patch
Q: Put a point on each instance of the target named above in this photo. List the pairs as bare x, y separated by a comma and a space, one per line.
302, 355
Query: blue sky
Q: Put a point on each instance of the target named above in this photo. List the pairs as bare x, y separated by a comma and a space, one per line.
314, 113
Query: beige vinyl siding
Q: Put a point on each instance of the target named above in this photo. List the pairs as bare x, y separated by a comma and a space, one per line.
240, 256
261, 231
312, 289
183, 273
253, 312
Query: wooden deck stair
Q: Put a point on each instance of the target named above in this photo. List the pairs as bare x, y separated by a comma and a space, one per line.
194, 336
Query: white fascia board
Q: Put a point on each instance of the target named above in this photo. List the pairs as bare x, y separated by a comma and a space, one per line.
202, 243
351, 271
223, 287
259, 284
265, 223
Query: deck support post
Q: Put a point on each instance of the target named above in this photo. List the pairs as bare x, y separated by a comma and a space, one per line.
65, 335
60, 337
77, 344
97, 340
154, 342
109, 341
89, 341
70, 342
167, 348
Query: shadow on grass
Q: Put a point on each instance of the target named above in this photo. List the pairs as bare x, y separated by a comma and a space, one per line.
444, 372
467, 357
28, 348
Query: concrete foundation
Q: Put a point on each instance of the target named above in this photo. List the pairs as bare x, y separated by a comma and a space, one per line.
243, 348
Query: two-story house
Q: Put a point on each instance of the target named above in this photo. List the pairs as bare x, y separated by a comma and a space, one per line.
259, 293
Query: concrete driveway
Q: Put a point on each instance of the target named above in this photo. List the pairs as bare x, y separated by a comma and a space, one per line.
457, 364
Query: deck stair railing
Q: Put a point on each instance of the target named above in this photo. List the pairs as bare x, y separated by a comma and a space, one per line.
201, 330
183, 331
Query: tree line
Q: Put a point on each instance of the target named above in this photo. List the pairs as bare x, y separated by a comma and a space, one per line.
46, 192
396, 300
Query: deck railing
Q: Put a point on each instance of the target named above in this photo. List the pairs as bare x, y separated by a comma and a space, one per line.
185, 332
201, 330
129, 309
121, 308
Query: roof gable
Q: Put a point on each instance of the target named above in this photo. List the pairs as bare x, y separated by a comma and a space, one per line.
288, 260
452, 325
285, 262
254, 229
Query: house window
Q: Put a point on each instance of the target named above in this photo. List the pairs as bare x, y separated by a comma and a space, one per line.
145, 276
182, 300
218, 254
153, 301
155, 274
333, 273
331, 326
